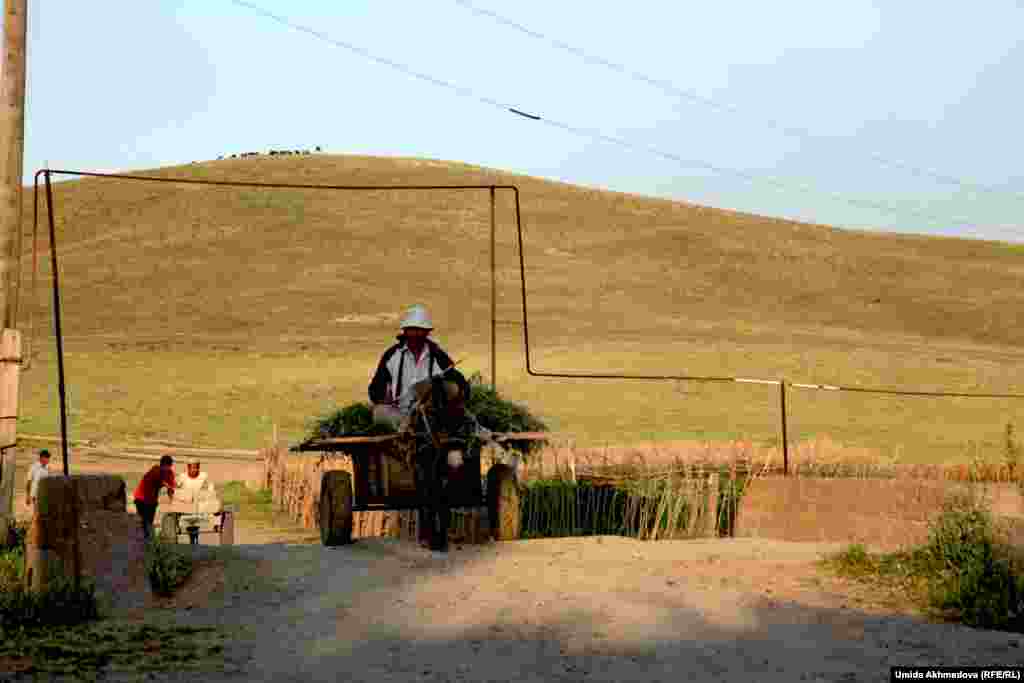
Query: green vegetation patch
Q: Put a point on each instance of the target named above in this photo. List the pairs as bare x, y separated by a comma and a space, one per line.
88, 652
167, 567
651, 508
966, 572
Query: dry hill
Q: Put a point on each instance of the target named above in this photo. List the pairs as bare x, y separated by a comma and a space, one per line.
212, 293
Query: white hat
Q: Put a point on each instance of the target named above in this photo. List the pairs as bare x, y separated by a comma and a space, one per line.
417, 316
193, 460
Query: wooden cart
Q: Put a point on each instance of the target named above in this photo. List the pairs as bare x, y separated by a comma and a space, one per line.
176, 523
382, 480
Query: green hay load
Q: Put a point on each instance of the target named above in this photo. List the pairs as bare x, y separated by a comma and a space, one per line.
491, 411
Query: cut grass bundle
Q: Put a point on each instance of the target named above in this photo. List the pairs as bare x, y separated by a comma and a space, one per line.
355, 419
501, 415
490, 409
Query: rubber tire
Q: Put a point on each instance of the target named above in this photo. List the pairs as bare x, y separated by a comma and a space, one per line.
169, 527
336, 508
503, 503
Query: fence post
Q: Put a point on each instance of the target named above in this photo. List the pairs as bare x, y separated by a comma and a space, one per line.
785, 439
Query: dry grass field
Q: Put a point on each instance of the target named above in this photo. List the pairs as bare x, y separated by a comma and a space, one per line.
205, 314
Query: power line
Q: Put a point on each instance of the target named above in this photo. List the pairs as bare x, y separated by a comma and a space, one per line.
586, 132
692, 96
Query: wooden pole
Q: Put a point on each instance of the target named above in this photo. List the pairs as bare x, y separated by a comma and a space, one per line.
494, 303
12, 136
12, 139
785, 436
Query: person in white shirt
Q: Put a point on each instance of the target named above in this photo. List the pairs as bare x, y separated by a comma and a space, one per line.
38, 471
195, 487
413, 359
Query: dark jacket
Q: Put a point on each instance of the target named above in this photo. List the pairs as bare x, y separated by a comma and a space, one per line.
438, 359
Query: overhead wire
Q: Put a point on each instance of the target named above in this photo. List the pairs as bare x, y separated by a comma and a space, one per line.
466, 92
692, 96
587, 132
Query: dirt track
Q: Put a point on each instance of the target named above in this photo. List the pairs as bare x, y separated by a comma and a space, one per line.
603, 608
575, 609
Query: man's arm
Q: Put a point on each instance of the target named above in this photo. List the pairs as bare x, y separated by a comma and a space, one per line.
381, 379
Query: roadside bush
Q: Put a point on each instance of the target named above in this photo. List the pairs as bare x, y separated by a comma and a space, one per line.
976, 575
166, 566
965, 570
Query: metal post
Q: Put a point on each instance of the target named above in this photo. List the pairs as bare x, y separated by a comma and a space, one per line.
494, 302
785, 438
56, 322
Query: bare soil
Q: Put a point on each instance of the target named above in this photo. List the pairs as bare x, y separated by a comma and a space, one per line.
604, 608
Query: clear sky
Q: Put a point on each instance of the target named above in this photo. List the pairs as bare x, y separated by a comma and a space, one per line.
117, 85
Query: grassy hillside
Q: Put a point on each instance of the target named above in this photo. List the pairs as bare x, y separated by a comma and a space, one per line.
207, 312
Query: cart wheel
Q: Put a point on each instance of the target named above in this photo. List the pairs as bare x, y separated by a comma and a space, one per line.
336, 508
227, 528
503, 502
169, 527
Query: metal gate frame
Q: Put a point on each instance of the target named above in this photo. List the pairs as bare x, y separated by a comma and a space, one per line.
47, 173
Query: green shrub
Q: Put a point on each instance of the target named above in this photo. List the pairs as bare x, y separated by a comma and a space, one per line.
62, 603
963, 568
974, 573
166, 566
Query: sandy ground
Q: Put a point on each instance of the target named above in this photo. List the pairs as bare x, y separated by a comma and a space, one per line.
595, 609
605, 608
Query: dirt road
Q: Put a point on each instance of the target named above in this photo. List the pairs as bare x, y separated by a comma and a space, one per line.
594, 609
575, 609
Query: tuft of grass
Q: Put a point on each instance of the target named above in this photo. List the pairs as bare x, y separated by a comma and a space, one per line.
167, 567
965, 571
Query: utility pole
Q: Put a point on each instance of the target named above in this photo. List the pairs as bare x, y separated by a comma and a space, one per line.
12, 148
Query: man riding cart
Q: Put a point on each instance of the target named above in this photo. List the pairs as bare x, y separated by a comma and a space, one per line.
415, 376
431, 463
